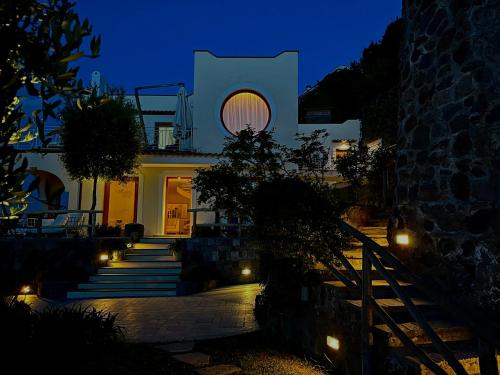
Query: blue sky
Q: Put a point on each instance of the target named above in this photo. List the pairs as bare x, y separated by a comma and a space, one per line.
152, 41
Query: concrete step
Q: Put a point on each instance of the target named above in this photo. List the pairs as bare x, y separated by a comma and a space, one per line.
140, 264
391, 305
150, 246
149, 258
116, 293
126, 285
139, 271
468, 358
156, 240
150, 252
448, 332
381, 289
132, 277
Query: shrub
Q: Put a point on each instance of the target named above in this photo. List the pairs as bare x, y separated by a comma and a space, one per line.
76, 325
55, 329
105, 230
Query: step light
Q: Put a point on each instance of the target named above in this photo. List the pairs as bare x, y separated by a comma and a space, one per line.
246, 271
333, 342
104, 257
402, 239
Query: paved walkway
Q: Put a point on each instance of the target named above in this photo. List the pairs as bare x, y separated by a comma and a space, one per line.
221, 312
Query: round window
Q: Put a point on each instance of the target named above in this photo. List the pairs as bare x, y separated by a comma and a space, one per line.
244, 109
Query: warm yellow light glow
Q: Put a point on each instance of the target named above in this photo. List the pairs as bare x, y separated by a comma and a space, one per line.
402, 239
104, 257
26, 289
246, 271
333, 342
129, 245
344, 145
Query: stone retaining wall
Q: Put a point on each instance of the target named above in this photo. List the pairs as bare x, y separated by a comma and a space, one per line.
448, 162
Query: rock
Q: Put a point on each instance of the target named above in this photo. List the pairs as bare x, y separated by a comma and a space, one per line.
462, 145
458, 123
480, 221
460, 186
420, 137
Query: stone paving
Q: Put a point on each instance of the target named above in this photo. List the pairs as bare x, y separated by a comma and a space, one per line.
218, 313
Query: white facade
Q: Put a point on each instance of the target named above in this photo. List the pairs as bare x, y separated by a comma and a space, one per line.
275, 79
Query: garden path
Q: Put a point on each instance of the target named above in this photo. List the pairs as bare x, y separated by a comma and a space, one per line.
217, 313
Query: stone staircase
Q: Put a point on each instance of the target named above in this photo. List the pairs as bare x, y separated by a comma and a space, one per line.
394, 354
149, 269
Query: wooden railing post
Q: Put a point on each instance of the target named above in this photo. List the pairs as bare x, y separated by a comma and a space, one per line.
366, 314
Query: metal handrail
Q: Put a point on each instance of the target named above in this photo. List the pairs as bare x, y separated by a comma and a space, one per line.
369, 304
474, 322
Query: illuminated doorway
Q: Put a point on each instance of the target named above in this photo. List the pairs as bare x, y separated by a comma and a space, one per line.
178, 201
120, 202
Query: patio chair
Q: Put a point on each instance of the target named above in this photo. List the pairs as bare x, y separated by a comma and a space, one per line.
62, 224
74, 224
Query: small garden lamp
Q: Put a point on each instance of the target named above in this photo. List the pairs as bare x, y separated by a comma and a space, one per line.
103, 258
26, 289
246, 271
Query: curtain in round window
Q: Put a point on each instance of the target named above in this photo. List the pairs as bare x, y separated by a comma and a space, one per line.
245, 109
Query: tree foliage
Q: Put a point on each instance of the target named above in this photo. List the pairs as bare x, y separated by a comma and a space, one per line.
367, 90
364, 167
101, 138
40, 40
282, 192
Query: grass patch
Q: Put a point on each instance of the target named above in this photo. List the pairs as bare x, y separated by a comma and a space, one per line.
256, 355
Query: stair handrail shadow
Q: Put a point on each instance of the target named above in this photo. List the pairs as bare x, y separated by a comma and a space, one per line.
488, 341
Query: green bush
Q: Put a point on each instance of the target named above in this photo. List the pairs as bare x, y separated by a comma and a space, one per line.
105, 230
55, 328
74, 325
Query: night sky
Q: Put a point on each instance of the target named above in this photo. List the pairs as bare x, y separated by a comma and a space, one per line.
152, 41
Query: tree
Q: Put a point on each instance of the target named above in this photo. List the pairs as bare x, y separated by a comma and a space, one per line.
39, 42
283, 193
367, 90
101, 138
363, 167
247, 160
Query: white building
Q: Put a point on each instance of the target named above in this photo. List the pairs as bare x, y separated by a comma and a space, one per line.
229, 93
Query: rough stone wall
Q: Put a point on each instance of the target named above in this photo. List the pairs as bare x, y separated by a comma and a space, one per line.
448, 164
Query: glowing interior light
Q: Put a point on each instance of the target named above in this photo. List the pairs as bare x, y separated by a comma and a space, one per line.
246, 271
333, 342
104, 257
402, 239
26, 289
